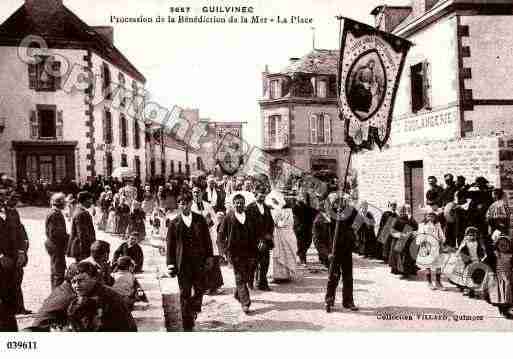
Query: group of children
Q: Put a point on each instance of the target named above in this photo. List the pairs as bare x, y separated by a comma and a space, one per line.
481, 266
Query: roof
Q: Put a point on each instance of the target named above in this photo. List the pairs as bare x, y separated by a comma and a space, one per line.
63, 30
318, 61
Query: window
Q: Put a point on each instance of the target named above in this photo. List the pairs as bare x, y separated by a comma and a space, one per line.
122, 83
124, 160
420, 87
108, 164
47, 119
137, 138
179, 166
273, 130
163, 167
107, 127
137, 166
198, 163
106, 82
322, 87
172, 167
320, 129
41, 75
123, 136
275, 89
152, 167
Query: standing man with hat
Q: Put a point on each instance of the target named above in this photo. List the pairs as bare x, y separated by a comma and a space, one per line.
260, 216
17, 234
82, 229
189, 256
8, 259
341, 256
56, 239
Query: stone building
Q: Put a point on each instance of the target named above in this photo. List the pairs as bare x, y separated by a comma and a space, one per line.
61, 114
454, 106
299, 114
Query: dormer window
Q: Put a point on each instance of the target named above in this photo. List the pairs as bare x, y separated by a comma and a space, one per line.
41, 74
275, 89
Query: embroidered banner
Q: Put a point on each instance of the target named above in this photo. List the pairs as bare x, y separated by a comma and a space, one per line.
371, 62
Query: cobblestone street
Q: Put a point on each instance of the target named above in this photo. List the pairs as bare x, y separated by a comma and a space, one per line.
298, 305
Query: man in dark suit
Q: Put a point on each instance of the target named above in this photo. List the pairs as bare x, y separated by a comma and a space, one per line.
18, 235
260, 217
8, 259
341, 256
189, 256
82, 229
238, 241
56, 239
215, 196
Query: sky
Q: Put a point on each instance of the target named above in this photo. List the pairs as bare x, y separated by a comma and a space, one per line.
216, 68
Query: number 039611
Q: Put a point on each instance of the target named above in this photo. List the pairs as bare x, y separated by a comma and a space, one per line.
21, 345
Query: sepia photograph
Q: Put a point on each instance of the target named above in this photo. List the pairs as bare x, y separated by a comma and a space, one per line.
255, 167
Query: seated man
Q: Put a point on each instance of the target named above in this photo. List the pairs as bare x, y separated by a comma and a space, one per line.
126, 283
130, 249
83, 281
100, 251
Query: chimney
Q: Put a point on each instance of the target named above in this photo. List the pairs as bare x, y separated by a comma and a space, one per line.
386, 18
107, 32
43, 8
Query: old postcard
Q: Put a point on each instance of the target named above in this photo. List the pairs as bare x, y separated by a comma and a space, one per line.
251, 166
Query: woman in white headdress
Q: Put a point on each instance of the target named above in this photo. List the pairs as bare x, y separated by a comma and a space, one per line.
285, 242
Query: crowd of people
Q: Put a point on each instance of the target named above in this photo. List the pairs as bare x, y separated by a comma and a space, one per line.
465, 234
244, 222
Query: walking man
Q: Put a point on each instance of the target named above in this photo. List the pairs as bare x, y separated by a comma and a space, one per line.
82, 229
189, 256
238, 239
262, 220
56, 239
341, 258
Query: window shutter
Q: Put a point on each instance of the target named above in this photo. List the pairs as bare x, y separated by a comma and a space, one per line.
34, 126
327, 128
426, 81
59, 127
104, 125
126, 128
267, 131
136, 133
32, 74
56, 69
120, 125
313, 129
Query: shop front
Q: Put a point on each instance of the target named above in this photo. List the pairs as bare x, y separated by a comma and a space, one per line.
50, 162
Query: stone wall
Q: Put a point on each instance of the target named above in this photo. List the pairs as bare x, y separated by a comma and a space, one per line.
381, 174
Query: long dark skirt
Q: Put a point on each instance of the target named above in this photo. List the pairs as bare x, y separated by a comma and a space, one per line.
214, 277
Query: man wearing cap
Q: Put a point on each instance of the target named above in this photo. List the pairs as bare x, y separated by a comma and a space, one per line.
82, 229
434, 193
260, 216
341, 256
18, 238
216, 197
189, 256
100, 251
56, 239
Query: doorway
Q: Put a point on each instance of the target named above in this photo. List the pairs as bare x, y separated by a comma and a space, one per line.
414, 187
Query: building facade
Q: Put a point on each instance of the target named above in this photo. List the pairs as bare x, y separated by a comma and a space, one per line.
454, 106
299, 115
68, 112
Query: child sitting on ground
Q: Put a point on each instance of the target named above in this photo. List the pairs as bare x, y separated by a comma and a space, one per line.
84, 315
126, 284
131, 249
